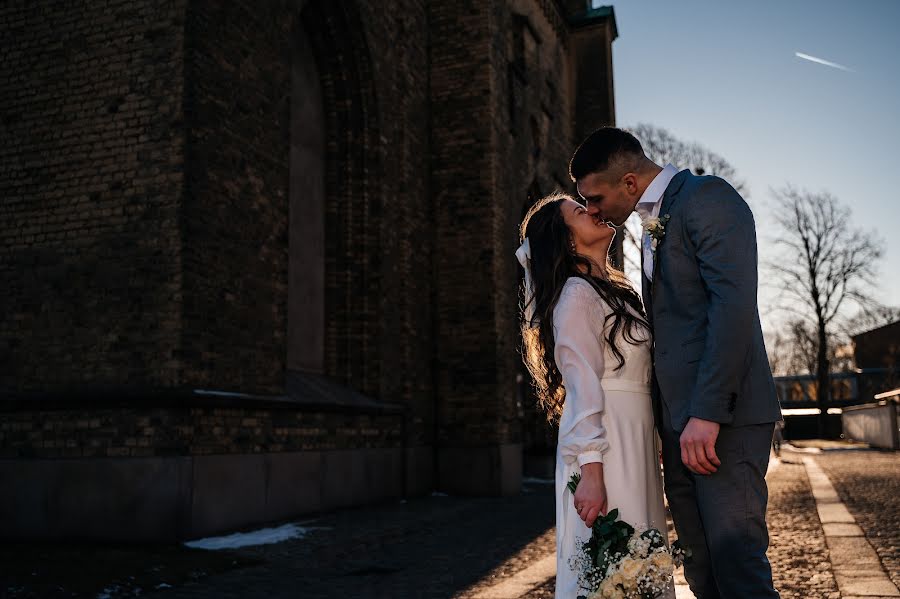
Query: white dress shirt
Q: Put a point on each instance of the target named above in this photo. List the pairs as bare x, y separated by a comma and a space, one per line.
648, 207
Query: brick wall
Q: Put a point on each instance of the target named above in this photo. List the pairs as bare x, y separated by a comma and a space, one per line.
146, 205
396, 36
533, 145
463, 195
235, 212
502, 128
90, 180
878, 348
372, 62
152, 431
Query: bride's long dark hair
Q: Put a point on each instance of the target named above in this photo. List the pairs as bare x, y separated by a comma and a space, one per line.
552, 263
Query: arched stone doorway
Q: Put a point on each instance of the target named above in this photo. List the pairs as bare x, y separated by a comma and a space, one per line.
335, 206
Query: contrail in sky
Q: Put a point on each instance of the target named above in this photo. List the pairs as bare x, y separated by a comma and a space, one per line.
827, 63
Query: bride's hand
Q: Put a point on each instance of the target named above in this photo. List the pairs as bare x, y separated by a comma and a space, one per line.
590, 496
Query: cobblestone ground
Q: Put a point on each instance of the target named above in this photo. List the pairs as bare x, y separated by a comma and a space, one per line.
868, 483
797, 551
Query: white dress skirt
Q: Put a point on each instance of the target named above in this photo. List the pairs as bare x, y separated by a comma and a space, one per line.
607, 417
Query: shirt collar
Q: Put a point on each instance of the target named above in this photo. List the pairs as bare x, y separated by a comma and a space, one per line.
652, 196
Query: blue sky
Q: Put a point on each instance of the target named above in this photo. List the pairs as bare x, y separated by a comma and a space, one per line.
725, 74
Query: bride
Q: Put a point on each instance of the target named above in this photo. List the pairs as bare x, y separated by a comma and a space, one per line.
587, 344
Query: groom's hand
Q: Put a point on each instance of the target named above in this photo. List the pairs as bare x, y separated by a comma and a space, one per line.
590, 495
698, 446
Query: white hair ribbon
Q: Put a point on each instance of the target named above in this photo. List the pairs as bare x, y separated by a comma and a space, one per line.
524, 256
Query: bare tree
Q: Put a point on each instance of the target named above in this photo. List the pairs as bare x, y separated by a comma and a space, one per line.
824, 269
794, 349
662, 147
874, 317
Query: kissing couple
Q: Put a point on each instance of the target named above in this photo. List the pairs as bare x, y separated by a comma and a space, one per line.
685, 368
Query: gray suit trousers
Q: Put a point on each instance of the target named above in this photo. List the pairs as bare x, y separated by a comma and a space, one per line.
721, 517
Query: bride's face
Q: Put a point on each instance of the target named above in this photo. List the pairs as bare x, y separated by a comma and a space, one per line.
587, 231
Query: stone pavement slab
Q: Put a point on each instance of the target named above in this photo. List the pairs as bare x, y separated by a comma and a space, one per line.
838, 529
868, 482
857, 568
834, 513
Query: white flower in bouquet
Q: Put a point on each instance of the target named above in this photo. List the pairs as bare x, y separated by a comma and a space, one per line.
630, 569
663, 561
621, 561
638, 545
610, 590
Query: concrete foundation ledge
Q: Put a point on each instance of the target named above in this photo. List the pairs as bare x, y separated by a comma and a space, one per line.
165, 499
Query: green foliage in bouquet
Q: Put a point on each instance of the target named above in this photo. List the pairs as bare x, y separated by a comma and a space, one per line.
609, 536
622, 561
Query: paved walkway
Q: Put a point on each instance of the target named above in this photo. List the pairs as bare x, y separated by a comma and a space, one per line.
856, 566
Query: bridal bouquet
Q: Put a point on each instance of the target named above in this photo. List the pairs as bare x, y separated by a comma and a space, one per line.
621, 561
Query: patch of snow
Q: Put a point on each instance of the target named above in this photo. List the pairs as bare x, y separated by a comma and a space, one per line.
802, 449
264, 536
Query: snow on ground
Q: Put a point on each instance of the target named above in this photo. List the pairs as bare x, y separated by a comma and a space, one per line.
263, 536
802, 449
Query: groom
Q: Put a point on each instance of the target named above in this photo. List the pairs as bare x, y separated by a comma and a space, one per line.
713, 391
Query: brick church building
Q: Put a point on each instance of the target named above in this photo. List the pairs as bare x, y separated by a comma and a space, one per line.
258, 258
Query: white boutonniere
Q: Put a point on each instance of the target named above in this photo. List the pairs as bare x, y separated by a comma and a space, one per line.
656, 229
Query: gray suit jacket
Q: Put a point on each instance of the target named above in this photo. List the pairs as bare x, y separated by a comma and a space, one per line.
709, 357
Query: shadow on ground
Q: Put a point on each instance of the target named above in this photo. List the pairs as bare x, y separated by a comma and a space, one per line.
425, 547
61, 569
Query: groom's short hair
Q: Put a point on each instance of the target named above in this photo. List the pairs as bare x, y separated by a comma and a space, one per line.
606, 149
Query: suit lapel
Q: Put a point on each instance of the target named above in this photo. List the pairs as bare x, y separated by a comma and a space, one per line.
669, 196
646, 291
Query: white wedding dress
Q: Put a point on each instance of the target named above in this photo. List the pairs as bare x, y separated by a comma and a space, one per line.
607, 417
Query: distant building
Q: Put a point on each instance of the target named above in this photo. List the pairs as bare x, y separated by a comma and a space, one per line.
878, 348
877, 357
258, 258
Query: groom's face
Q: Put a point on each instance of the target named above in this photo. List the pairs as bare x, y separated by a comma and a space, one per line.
607, 199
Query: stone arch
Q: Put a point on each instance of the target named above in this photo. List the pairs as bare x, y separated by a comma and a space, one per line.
332, 34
